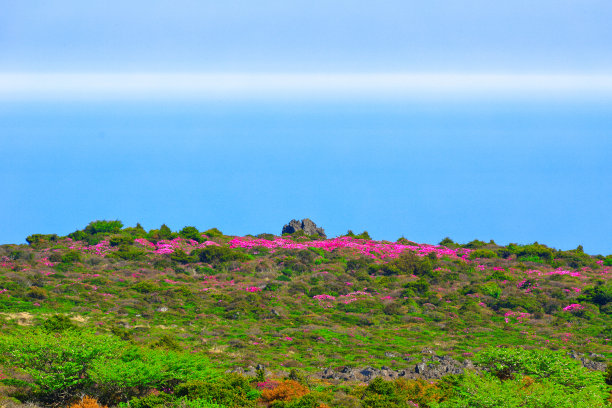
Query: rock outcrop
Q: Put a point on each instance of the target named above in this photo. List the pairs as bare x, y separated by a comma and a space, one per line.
433, 367
306, 225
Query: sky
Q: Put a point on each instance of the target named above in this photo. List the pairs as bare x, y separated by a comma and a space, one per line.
468, 119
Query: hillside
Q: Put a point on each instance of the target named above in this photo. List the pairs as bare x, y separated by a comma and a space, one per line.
271, 305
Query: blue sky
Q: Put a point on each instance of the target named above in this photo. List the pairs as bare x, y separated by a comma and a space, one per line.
469, 119
314, 35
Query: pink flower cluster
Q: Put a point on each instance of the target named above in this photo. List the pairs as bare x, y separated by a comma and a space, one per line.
169, 246
573, 306
253, 289
324, 297
46, 262
370, 248
519, 316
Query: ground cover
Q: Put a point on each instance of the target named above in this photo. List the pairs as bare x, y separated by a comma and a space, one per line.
296, 304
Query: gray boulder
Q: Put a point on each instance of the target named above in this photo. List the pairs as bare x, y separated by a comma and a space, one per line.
306, 225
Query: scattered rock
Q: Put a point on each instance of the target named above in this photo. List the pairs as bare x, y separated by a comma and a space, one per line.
432, 367
306, 225
588, 363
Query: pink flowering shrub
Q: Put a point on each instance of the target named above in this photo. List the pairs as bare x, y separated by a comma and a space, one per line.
573, 306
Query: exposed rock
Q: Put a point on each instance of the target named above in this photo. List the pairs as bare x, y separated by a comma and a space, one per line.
431, 367
588, 363
306, 225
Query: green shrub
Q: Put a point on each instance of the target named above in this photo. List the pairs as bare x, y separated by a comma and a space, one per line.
41, 239
529, 304
71, 257
487, 391
231, 390
191, 233
154, 400
219, 254
181, 257
506, 362
146, 287
491, 289
104, 227
363, 235
58, 364
121, 240
528, 378
447, 242
213, 233
420, 287
37, 293
58, 324
78, 235
483, 253
128, 253
133, 370
600, 295
408, 263
475, 244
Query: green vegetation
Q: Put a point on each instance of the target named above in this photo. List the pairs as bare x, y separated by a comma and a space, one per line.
159, 319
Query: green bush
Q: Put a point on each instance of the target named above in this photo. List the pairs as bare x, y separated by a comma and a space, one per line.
191, 233
408, 263
71, 257
363, 235
213, 233
181, 257
231, 390
78, 235
58, 324
58, 364
155, 400
529, 304
136, 369
483, 253
104, 227
447, 242
121, 240
475, 244
420, 287
219, 254
518, 377
40, 239
600, 295
127, 253
491, 289
146, 287
487, 391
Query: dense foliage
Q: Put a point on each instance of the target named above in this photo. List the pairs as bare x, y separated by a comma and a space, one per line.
157, 318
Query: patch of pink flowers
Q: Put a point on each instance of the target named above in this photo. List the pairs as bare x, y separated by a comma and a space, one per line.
519, 316
324, 297
573, 306
369, 248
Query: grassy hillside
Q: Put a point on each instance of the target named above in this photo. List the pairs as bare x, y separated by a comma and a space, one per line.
297, 304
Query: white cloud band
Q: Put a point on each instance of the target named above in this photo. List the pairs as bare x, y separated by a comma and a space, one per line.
18, 86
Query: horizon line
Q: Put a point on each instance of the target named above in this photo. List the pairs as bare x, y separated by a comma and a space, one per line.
92, 85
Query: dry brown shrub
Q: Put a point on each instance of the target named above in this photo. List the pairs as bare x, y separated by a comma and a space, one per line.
286, 391
88, 402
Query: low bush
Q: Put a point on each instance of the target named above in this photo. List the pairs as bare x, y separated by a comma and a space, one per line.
287, 390
232, 390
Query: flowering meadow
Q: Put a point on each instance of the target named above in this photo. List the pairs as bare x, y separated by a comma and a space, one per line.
160, 317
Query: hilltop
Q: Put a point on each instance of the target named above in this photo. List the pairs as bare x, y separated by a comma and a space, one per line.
271, 305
